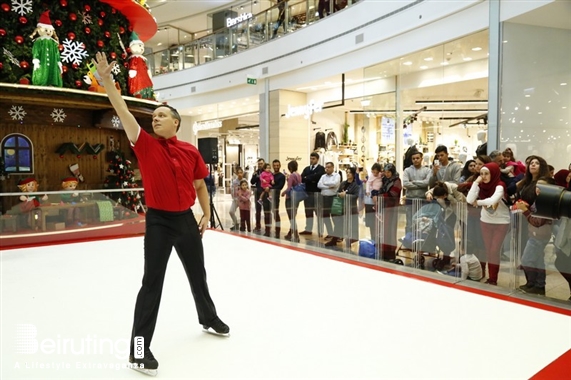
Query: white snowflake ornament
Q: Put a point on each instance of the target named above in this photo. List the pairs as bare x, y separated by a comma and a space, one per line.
115, 121
22, 7
125, 183
73, 51
58, 115
116, 70
121, 166
86, 18
10, 56
17, 113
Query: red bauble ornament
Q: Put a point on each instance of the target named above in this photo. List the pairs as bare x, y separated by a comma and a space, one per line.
24, 65
73, 16
113, 55
1, 65
124, 55
99, 22
113, 10
126, 64
100, 44
2, 32
107, 34
79, 155
102, 14
57, 23
24, 80
78, 84
63, 3
130, 28
75, 66
71, 36
5, 7
87, 30
121, 30
64, 69
60, 47
94, 157
87, 7
19, 39
23, 20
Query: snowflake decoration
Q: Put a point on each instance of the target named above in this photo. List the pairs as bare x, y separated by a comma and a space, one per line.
125, 183
10, 56
73, 51
115, 121
86, 18
17, 112
58, 115
116, 70
22, 6
121, 166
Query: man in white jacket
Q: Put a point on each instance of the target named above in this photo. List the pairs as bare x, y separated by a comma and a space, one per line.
415, 181
328, 184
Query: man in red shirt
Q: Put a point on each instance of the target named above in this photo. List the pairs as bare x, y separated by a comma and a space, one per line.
173, 175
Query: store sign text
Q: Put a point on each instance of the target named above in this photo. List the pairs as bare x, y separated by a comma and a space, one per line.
206, 125
297, 158
236, 20
306, 110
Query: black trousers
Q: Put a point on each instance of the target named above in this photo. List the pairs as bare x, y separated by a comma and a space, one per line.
272, 207
163, 231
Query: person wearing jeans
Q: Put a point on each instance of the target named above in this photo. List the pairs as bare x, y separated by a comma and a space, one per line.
328, 184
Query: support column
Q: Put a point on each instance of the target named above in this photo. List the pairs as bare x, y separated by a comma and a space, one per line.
494, 76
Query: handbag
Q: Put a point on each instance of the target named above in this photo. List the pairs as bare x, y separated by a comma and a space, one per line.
337, 206
298, 193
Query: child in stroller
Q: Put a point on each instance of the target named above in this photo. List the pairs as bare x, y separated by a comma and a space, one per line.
432, 235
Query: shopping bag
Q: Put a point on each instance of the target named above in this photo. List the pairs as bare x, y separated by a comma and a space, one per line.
337, 206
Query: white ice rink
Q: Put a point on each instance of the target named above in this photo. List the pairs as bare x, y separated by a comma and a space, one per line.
67, 312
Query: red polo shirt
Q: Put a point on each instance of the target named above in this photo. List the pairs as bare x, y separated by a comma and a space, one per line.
168, 168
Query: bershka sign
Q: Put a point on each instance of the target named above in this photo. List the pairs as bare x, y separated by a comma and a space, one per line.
306, 110
206, 125
236, 20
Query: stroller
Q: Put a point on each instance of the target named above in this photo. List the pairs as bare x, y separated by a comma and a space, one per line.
431, 236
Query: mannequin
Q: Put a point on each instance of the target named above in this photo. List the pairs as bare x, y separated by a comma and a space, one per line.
482, 149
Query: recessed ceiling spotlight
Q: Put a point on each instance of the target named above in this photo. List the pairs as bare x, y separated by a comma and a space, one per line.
428, 59
407, 63
477, 48
467, 59
445, 63
423, 67
563, 84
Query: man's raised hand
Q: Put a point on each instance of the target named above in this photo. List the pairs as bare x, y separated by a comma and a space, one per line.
103, 68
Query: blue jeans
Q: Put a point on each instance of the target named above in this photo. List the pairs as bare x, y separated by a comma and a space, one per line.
533, 261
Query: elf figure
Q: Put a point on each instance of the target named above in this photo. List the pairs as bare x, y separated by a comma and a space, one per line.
73, 214
45, 54
30, 203
139, 81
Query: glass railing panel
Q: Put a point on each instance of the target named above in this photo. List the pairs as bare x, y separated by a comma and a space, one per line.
59, 216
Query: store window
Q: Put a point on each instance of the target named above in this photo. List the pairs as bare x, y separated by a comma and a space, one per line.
17, 154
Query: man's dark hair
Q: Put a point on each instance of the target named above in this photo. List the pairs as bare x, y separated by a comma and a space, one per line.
313, 154
261, 159
292, 166
441, 148
329, 163
174, 114
415, 153
276, 160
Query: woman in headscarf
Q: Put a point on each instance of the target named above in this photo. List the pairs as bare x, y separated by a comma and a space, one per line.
390, 192
489, 192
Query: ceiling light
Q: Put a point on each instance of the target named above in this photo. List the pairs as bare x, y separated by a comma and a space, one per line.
563, 84
445, 63
159, 44
467, 59
428, 59
477, 48
407, 63
442, 102
365, 102
423, 67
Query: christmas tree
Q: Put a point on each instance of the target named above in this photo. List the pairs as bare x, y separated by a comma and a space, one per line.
82, 29
121, 177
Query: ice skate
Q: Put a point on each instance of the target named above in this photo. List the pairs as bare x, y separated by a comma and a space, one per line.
147, 365
217, 327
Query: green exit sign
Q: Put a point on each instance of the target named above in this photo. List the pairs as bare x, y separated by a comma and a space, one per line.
251, 81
